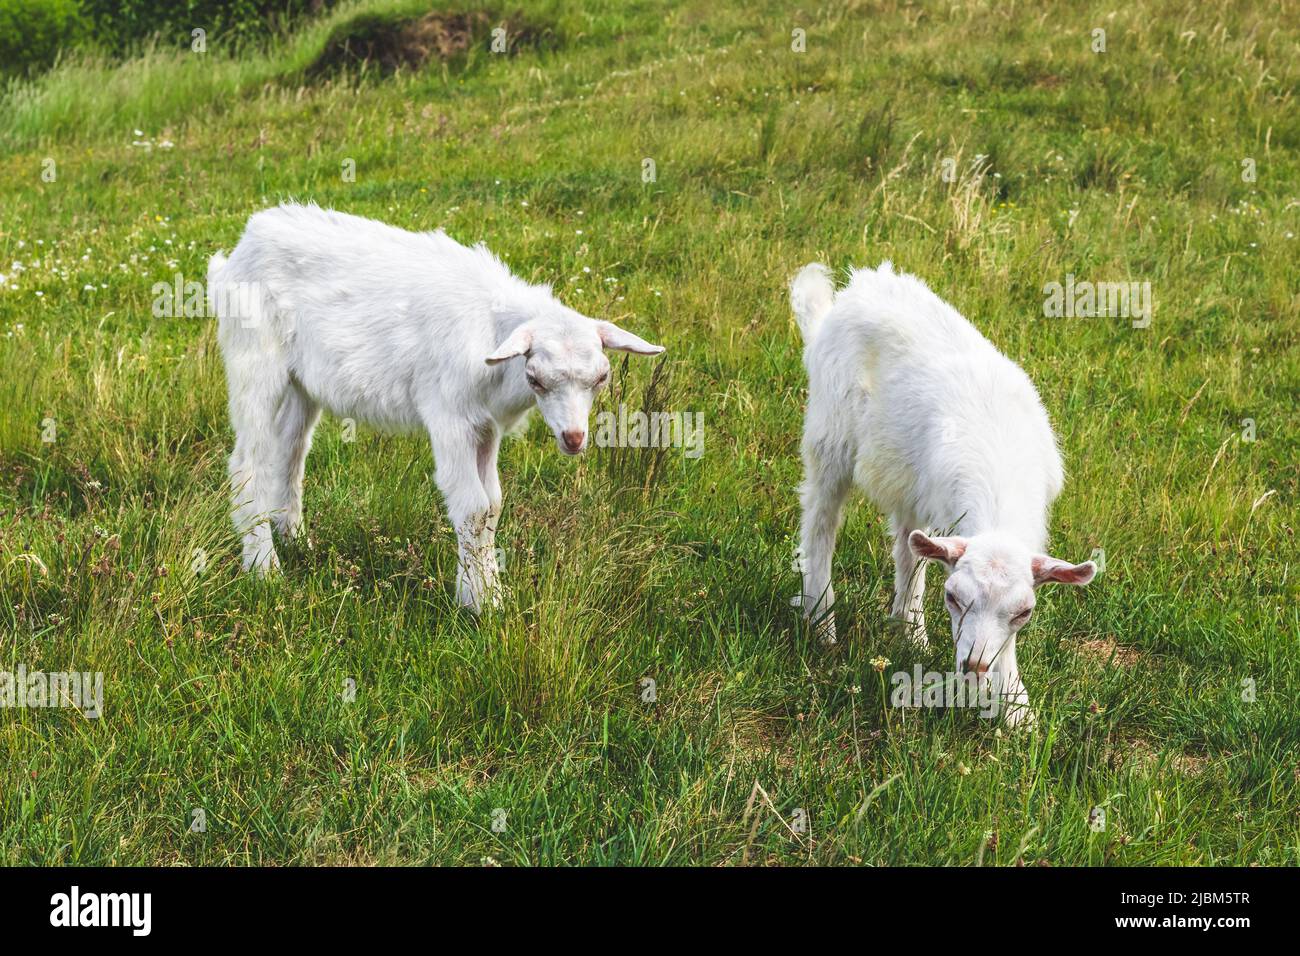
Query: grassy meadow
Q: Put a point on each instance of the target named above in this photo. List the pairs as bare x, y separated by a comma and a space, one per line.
987, 147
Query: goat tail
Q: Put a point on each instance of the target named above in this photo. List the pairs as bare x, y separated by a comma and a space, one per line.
216, 266
811, 297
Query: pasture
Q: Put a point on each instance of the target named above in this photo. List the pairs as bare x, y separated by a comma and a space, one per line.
646, 694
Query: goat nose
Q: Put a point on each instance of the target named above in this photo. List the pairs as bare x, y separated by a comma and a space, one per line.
573, 439
978, 669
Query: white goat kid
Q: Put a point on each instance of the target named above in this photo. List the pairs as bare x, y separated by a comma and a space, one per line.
404, 331
907, 400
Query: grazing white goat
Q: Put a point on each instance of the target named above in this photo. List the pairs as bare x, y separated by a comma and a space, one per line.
404, 331
941, 430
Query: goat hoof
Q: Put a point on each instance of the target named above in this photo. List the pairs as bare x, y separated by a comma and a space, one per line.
1019, 717
264, 566
826, 633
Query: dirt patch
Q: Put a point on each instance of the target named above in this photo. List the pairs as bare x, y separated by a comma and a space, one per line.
388, 44
1143, 754
1106, 652
757, 737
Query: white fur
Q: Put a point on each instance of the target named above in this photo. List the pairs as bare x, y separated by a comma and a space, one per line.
402, 330
908, 401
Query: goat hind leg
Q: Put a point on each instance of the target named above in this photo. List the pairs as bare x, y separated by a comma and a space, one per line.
294, 424
254, 481
823, 495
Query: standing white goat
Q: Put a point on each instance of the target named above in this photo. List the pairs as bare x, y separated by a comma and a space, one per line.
402, 330
941, 430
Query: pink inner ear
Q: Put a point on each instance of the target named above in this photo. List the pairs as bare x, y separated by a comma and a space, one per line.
612, 337
948, 550
1062, 572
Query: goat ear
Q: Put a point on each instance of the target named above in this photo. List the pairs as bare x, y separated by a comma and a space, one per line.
517, 342
612, 337
1062, 572
948, 550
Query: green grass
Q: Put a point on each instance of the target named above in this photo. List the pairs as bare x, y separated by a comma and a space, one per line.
225, 694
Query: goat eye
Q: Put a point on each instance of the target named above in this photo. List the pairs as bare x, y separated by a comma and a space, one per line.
952, 603
534, 384
1022, 617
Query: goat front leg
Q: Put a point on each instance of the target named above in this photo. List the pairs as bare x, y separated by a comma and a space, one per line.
909, 586
455, 452
488, 446
823, 496
1013, 698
